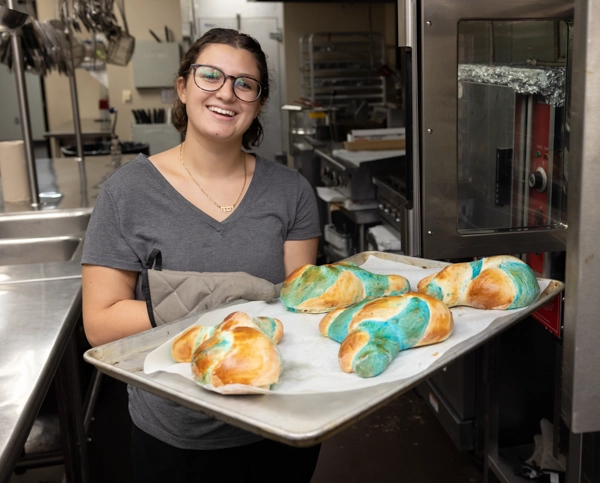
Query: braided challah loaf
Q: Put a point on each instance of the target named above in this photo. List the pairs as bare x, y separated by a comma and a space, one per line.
499, 282
239, 350
373, 332
184, 345
319, 289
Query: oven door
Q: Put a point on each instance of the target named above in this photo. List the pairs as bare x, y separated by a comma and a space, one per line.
493, 127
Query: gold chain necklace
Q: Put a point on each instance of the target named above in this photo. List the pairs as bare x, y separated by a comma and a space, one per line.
224, 209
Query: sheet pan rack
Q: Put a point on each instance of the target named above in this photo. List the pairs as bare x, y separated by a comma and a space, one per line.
342, 70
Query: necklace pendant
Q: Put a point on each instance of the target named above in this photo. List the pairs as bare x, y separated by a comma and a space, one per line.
227, 209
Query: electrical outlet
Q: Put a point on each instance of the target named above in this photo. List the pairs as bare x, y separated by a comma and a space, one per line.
126, 95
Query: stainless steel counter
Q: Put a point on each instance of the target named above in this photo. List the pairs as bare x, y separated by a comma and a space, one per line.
36, 322
40, 303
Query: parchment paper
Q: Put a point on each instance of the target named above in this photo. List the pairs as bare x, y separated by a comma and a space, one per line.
310, 360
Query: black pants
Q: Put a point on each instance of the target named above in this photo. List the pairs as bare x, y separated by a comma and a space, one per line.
265, 461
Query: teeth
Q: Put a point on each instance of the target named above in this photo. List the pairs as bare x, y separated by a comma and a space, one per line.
221, 111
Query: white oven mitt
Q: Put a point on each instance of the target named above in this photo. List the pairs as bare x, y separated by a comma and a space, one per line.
172, 295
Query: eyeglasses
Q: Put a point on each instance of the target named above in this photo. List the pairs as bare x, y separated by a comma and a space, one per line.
211, 79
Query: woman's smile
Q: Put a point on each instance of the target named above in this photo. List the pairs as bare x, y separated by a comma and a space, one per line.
221, 111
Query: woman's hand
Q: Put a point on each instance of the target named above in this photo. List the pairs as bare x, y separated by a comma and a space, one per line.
299, 252
110, 311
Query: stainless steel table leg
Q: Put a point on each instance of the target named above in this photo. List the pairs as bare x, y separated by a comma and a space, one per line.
92, 399
70, 412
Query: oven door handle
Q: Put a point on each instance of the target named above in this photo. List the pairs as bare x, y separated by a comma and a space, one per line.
405, 59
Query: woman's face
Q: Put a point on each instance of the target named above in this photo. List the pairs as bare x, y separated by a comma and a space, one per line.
220, 115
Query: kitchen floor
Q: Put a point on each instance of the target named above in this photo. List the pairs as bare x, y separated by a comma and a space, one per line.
401, 442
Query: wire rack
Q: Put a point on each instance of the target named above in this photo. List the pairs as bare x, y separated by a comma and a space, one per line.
343, 70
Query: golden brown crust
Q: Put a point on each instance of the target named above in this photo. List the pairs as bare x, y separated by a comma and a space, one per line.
251, 358
235, 319
327, 320
441, 322
488, 291
183, 344
345, 291
380, 328
350, 347
320, 289
501, 282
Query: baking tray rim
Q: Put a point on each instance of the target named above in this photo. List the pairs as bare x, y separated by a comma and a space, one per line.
378, 396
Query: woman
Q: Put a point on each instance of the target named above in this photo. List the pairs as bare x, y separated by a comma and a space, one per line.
208, 206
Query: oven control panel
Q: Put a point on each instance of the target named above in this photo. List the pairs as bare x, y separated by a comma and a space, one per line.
336, 177
389, 200
353, 180
389, 213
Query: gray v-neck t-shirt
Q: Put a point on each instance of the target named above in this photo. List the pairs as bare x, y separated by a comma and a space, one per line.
138, 210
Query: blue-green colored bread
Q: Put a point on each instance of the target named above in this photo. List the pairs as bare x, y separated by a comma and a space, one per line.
502, 282
372, 333
320, 289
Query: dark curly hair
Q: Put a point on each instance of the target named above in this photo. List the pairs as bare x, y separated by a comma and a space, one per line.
179, 119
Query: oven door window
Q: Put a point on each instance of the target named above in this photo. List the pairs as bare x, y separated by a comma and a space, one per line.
512, 125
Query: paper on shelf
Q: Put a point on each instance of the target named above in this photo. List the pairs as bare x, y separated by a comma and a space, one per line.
310, 360
351, 205
357, 157
329, 195
386, 133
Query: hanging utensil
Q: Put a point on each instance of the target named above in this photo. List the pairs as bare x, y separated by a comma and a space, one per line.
11, 19
121, 46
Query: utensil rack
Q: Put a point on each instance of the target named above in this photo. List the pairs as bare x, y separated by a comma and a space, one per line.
342, 69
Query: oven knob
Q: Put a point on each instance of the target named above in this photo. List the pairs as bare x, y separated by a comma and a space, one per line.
380, 206
386, 209
538, 179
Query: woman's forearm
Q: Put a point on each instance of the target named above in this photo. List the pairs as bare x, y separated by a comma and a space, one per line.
110, 311
122, 319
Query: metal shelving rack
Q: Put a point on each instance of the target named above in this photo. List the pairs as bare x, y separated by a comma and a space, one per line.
342, 69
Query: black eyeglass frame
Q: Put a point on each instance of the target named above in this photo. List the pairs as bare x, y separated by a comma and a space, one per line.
193, 68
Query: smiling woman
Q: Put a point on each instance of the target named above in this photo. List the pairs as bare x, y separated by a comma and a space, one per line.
225, 104
208, 206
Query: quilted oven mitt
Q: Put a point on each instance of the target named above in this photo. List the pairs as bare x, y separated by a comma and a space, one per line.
172, 295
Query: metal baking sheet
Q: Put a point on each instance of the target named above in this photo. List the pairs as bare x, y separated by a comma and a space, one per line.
297, 420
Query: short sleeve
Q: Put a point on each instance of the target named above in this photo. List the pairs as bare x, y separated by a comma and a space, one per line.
306, 222
105, 243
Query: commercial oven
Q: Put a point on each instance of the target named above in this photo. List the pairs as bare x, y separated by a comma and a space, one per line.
486, 97
486, 89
